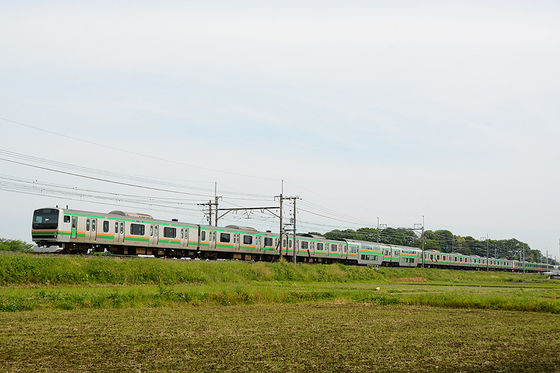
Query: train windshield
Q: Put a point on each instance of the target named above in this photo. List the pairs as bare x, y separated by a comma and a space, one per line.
45, 219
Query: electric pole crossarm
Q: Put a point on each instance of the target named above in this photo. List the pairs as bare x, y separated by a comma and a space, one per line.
228, 210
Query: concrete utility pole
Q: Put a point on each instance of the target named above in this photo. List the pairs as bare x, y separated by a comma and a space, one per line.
216, 197
416, 228
487, 254
423, 241
281, 234
295, 241
379, 227
294, 246
209, 204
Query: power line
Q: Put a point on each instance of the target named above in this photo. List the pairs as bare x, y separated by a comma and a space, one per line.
134, 153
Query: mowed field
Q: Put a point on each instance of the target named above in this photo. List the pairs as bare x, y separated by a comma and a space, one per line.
220, 317
310, 337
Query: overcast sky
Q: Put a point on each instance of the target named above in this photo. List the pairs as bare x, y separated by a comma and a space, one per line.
393, 110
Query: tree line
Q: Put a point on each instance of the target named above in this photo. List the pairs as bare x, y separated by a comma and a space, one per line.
444, 241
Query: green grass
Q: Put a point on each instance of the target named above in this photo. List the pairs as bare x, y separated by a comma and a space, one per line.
32, 282
27, 269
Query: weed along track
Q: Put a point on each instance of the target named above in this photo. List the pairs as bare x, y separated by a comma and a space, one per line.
71, 283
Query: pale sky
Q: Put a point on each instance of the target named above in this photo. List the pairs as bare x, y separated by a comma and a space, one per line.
391, 110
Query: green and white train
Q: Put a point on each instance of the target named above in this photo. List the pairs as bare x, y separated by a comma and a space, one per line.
119, 232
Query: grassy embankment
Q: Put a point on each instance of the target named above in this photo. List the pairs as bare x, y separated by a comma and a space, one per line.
40, 282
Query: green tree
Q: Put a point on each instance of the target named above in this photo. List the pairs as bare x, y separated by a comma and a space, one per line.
14, 245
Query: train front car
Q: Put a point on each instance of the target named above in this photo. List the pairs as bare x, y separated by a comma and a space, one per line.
50, 227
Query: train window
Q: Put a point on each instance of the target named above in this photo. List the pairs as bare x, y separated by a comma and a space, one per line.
169, 232
320, 246
334, 247
304, 244
137, 229
93, 225
267, 241
116, 227
203, 235
289, 244
225, 237
87, 225
105, 226
247, 240
151, 230
67, 218
45, 219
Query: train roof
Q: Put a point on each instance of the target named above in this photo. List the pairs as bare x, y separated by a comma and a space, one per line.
131, 214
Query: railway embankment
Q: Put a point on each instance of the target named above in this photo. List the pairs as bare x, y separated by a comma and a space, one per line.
38, 270
56, 282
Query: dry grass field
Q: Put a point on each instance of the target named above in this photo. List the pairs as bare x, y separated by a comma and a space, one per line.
307, 337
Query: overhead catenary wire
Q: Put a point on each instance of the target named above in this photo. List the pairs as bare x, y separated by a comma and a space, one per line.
133, 153
108, 177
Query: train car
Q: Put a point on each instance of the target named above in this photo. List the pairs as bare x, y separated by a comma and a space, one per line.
318, 249
368, 253
409, 256
77, 231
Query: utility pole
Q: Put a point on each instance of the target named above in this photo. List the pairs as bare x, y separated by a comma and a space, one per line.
423, 241
281, 197
416, 228
379, 227
209, 204
216, 197
295, 241
487, 254
294, 246
524, 256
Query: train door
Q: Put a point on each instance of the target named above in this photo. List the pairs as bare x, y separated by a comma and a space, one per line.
93, 235
119, 232
154, 235
74, 232
236, 237
91, 229
184, 237
213, 240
